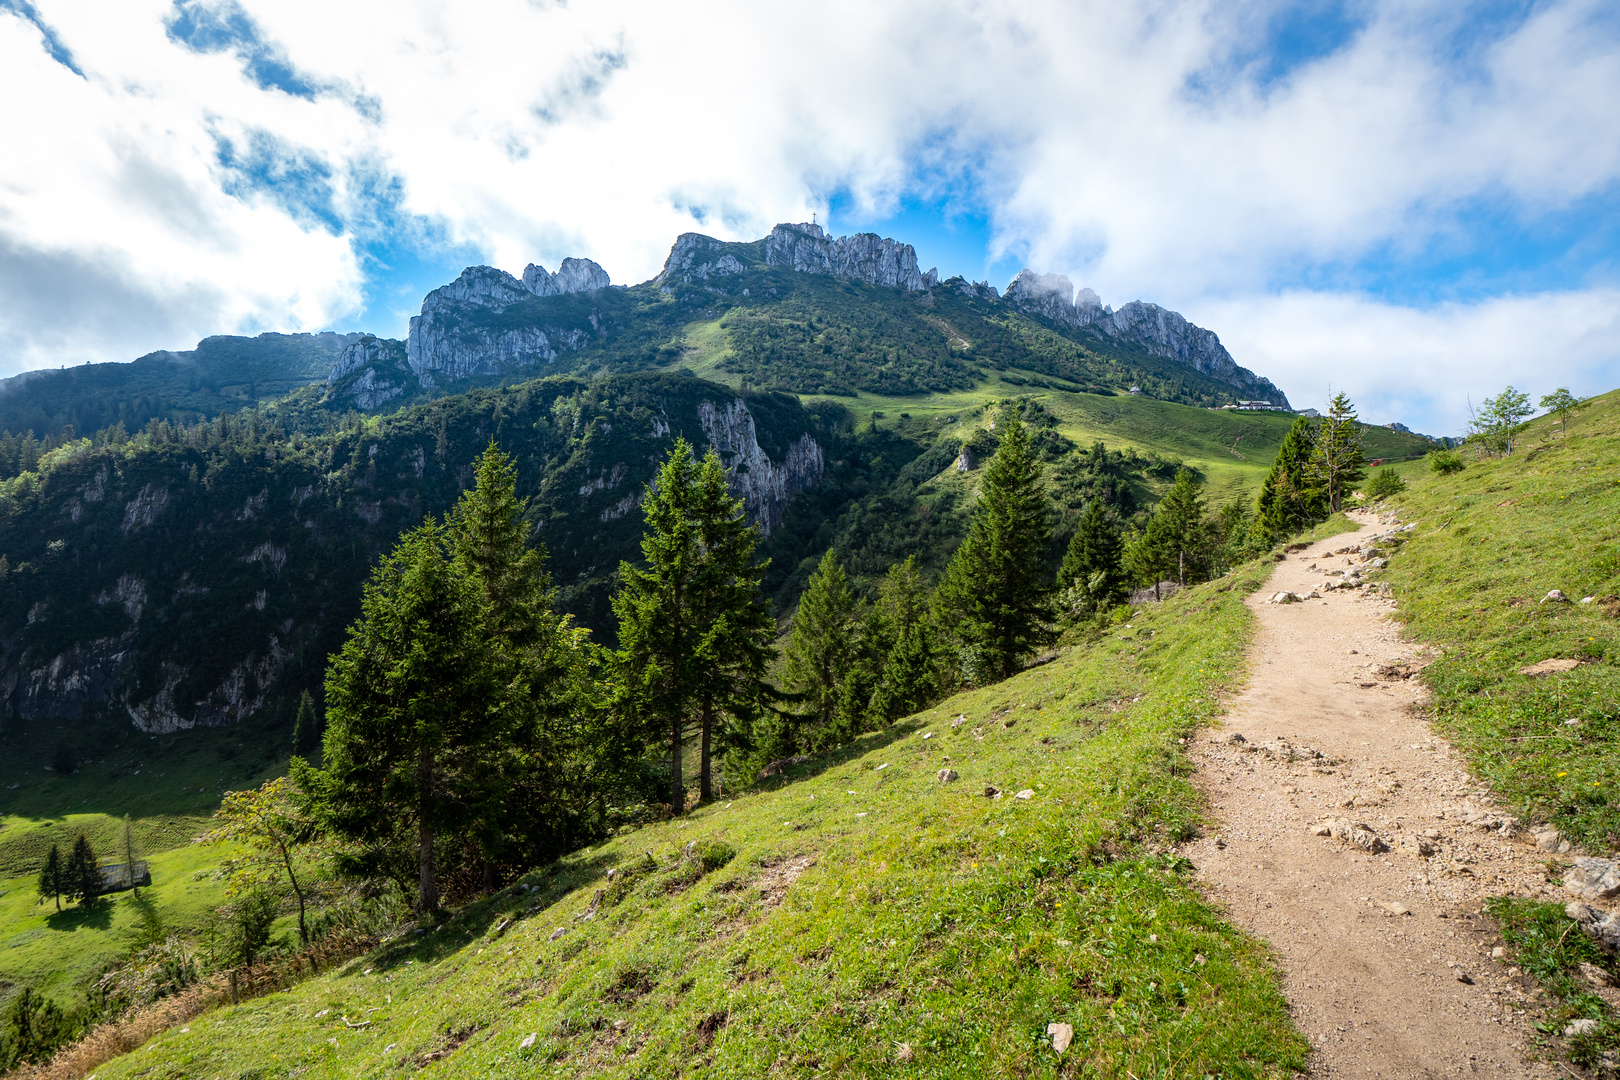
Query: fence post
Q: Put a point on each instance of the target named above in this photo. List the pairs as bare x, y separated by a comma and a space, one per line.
234, 1000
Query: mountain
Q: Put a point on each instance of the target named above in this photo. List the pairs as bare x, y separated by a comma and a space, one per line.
221, 373
799, 311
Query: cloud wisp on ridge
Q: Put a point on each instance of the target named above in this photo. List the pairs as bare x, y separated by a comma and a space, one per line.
234, 165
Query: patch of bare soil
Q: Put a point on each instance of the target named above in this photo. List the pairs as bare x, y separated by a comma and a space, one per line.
1351, 837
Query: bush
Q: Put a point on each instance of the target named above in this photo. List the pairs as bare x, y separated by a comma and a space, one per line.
1385, 482
1445, 462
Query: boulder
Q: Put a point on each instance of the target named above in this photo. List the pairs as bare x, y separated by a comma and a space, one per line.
1601, 926
1593, 879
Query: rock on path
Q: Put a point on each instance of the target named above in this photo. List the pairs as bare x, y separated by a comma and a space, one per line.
1352, 839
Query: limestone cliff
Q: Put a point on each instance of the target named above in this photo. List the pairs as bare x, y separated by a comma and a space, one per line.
865, 256
1148, 327
455, 337
763, 485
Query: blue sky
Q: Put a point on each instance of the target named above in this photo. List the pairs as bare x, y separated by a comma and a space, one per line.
1415, 201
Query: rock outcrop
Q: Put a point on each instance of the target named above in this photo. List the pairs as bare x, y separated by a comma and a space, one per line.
763, 485
454, 338
803, 247
865, 257
1154, 330
369, 373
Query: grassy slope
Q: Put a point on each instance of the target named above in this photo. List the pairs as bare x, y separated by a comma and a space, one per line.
51, 950
1233, 449
1491, 542
933, 930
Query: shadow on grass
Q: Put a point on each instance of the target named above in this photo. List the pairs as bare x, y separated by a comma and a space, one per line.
94, 915
473, 922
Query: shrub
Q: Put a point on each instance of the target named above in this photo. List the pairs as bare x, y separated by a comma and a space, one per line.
1445, 462
1385, 482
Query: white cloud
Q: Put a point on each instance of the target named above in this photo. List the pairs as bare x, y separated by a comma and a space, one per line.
1422, 367
1135, 147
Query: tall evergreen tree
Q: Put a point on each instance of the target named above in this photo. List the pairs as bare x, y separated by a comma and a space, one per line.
1288, 499
538, 665
694, 632
1174, 544
83, 872
822, 644
1092, 566
1337, 464
52, 883
306, 727
995, 595
408, 710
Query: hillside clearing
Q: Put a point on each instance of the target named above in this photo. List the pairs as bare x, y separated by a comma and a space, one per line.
870, 918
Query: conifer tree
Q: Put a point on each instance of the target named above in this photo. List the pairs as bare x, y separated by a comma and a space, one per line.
1288, 500
822, 644
306, 727
995, 594
83, 872
1173, 546
1337, 464
694, 632
1092, 567
538, 663
408, 711
52, 882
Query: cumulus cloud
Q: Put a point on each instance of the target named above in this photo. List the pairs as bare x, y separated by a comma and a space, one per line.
226, 165
1420, 365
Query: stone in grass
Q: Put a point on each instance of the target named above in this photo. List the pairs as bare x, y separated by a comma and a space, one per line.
1550, 667
528, 1040
1601, 926
1597, 976
1027, 793
1593, 879
1062, 1035
1583, 1026
945, 776
1555, 596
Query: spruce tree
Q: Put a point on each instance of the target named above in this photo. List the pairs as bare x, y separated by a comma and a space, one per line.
537, 662
995, 594
910, 674
408, 710
306, 727
1092, 565
821, 647
83, 872
694, 632
52, 883
1288, 500
1337, 464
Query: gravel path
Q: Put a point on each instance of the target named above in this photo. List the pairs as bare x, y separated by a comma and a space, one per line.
1386, 960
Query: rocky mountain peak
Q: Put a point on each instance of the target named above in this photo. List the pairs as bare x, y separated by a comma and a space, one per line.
865, 256
1149, 327
574, 275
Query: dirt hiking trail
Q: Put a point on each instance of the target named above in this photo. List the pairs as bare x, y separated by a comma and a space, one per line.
1386, 960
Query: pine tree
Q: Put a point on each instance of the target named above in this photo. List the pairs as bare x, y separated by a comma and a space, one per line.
1176, 540
821, 648
1288, 501
1337, 464
995, 595
694, 632
408, 710
83, 872
910, 674
1092, 567
52, 881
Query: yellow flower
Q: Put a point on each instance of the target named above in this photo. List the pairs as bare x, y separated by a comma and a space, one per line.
1563, 774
